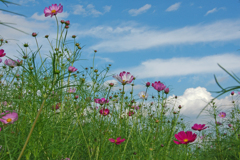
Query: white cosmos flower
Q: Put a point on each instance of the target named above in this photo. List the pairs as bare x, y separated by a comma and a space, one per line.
143, 95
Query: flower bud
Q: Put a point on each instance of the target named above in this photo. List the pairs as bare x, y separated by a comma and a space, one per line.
232, 93
79, 47
66, 27
76, 97
175, 97
34, 34
24, 57
111, 84
25, 45
67, 22
95, 51
147, 84
62, 21
46, 36
179, 106
95, 70
73, 36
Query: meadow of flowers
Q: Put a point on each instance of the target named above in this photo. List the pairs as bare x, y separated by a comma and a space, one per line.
51, 112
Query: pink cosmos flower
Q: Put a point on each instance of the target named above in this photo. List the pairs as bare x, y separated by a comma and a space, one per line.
158, 86
222, 115
104, 111
130, 113
53, 10
202, 137
198, 127
101, 101
185, 138
124, 77
2, 54
72, 69
10, 62
117, 141
71, 90
10, 117
142, 95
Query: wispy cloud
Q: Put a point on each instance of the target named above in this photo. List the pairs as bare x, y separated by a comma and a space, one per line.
214, 10
132, 38
135, 12
184, 66
90, 10
173, 7
43, 18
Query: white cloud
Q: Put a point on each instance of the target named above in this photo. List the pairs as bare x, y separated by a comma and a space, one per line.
214, 10
211, 11
107, 8
89, 10
194, 100
43, 18
131, 38
173, 7
135, 12
184, 66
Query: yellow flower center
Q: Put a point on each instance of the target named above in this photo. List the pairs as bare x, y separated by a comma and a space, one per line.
185, 140
115, 141
123, 81
143, 96
222, 115
53, 11
9, 120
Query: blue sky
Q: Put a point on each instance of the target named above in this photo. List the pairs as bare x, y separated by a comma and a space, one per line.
176, 42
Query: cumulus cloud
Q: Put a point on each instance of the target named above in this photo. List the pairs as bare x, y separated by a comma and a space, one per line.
43, 18
184, 66
173, 7
90, 10
135, 12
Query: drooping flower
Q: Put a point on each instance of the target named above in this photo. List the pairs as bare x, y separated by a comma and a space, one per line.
71, 69
185, 137
124, 77
9, 117
101, 101
10, 62
71, 90
143, 95
104, 111
222, 115
53, 10
198, 127
2, 54
158, 86
117, 141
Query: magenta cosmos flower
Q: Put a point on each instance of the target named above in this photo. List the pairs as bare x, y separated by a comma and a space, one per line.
124, 77
117, 141
101, 101
222, 115
158, 86
104, 111
53, 10
71, 69
185, 138
9, 117
198, 127
10, 62
2, 54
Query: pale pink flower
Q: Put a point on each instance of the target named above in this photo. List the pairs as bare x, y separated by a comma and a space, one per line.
222, 115
124, 77
53, 10
71, 90
10, 62
71, 69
